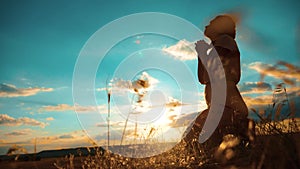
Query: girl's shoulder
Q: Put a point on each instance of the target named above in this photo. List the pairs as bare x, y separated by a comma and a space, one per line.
227, 42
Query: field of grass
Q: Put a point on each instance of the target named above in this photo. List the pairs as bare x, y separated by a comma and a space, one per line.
274, 144
273, 151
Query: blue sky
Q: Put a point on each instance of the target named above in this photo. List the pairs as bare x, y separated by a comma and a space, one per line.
41, 41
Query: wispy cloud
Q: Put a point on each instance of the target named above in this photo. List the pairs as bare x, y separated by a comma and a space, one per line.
6, 120
293, 91
64, 139
183, 120
57, 108
101, 89
112, 124
183, 50
58, 141
9, 90
19, 132
66, 107
114, 135
264, 100
66, 136
49, 118
282, 70
258, 101
254, 87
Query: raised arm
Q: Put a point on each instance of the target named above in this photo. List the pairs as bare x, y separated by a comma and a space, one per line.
201, 48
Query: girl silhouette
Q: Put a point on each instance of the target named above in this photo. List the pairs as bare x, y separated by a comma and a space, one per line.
221, 31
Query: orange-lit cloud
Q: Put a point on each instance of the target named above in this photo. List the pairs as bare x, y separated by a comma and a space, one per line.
44, 142
49, 118
293, 91
254, 87
57, 108
61, 138
111, 124
173, 103
77, 108
267, 99
9, 90
19, 132
114, 135
183, 120
258, 101
183, 50
282, 70
6, 120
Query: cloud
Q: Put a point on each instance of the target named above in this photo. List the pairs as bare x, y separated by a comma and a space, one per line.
6, 120
254, 87
120, 84
49, 118
48, 142
293, 91
9, 90
66, 136
64, 139
183, 120
57, 108
81, 109
270, 102
140, 87
144, 82
173, 103
114, 135
282, 70
19, 132
258, 101
112, 124
66, 107
183, 50
101, 89
174, 107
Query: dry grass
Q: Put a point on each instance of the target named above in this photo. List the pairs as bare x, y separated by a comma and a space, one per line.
274, 147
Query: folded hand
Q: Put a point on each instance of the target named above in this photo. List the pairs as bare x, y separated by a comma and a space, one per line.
202, 47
